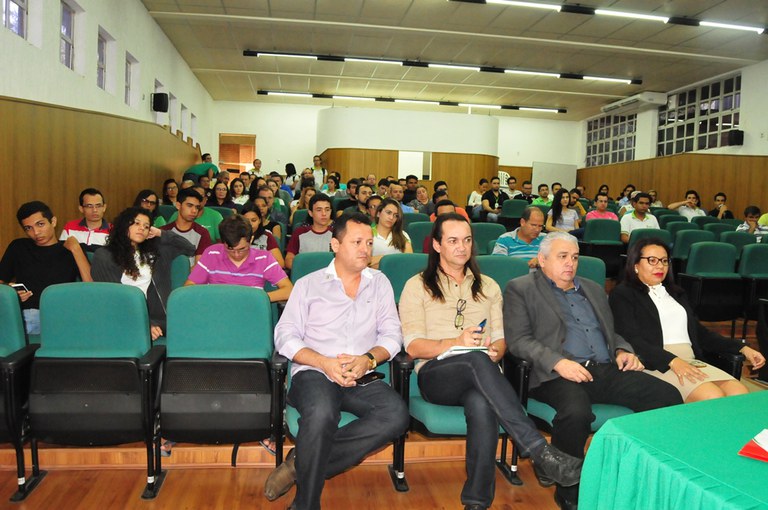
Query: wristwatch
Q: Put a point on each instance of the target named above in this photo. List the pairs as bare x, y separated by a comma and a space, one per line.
372, 360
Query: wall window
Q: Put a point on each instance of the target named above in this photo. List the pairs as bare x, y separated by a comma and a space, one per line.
131, 80
67, 43
128, 65
101, 62
699, 118
611, 139
15, 16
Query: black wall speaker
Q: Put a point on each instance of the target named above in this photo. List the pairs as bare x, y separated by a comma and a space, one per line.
160, 102
735, 137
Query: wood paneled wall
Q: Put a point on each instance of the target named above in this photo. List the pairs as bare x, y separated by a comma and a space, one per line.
359, 162
744, 179
523, 173
51, 153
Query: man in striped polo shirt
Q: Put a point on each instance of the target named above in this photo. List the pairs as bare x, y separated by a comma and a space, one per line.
91, 231
524, 241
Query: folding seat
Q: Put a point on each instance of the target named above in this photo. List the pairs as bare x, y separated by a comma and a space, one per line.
739, 240
414, 217
166, 211
677, 226
593, 269
484, 232
502, 269
96, 375
682, 245
669, 218
299, 217
511, 212
642, 233
704, 220
718, 228
602, 239
418, 231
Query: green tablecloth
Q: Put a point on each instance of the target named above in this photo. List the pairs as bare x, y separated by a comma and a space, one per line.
683, 457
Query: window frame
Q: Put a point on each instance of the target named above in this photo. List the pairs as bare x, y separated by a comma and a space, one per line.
611, 139
67, 43
23, 6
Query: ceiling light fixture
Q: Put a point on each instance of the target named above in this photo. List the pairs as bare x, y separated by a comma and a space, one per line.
632, 15
417, 101
535, 109
372, 61
289, 94
532, 73
488, 106
612, 80
286, 55
452, 66
534, 5
354, 98
715, 24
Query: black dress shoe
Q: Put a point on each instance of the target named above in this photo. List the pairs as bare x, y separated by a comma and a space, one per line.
282, 478
475, 507
564, 503
552, 465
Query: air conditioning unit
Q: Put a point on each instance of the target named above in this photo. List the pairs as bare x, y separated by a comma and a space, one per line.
637, 103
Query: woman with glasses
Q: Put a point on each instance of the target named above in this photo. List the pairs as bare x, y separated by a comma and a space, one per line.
221, 197
653, 314
170, 192
147, 200
388, 234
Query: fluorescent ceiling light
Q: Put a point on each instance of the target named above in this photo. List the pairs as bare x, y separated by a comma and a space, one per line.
372, 61
416, 101
288, 94
286, 55
355, 98
534, 109
532, 73
714, 24
620, 14
451, 66
612, 80
525, 4
488, 106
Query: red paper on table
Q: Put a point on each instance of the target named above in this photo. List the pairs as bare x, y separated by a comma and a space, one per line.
754, 449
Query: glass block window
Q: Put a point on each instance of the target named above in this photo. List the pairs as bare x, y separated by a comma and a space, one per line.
611, 139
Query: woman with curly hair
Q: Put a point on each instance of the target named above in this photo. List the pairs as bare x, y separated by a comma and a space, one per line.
140, 255
388, 234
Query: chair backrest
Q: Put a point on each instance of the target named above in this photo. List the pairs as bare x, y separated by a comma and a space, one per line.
643, 233
179, 271
718, 228
224, 211
661, 211
166, 210
484, 232
711, 258
677, 226
337, 201
305, 263
400, 267
502, 269
12, 331
754, 261
602, 230
544, 209
738, 239
413, 217
592, 268
732, 221
513, 208
197, 330
685, 238
703, 220
669, 218
419, 231
93, 320
299, 217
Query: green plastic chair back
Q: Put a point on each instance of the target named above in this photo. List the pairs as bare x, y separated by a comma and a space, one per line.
585, 203
197, 330
685, 238
711, 259
613, 207
400, 267
513, 208
224, 211
643, 233
409, 218
305, 263
738, 239
299, 218
677, 226
718, 228
502, 269
661, 211
592, 268
93, 320
484, 232
754, 261
179, 271
600, 231
159, 221
545, 209
669, 218
704, 220
419, 231
166, 211
12, 336
336, 202
732, 221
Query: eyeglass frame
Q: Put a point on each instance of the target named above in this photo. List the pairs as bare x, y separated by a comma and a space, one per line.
461, 305
657, 259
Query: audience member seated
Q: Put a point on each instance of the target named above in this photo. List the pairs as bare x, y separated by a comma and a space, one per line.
307, 192
751, 223
422, 204
388, 234
475, 201
237, 187
331, 187
317, 235
204, 182
147, 200
630, 206
605, 189
601, 211
39, 260
189, 206
186, 183
256, 183
638, 218
440, 186
141, 255
626, 195
576, 205
170, 192
383, 187
364, 192
527, 193
223, 177
370, 206
236, 262
411, 184
721, 211
690, 207
221, 197
492, 202
439, 196
524, 241
92, 230
396, 193
440, 309
262, 238
351, 200
543, 198
564, 326
654, 316
277, 211
561, 218
371, 180
655, 202
511, 185
261, 204
327, 361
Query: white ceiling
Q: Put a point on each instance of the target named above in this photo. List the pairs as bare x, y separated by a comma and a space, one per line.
211, 36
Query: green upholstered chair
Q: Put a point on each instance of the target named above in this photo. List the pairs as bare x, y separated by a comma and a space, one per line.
677, 226
602, 240
336, 202
753, 268
166, 211
739, 240
670, 218
400, 267
97, 385
660, 211
15, 363
682, 245
718, 228
545, 209
179, 271
419, 231
299, 218
218, 376
502, 269
600, 231
305, 263
224, 211
704, 220
732, 221
409, 218
484, 232
591, 268
511, 212
643, 233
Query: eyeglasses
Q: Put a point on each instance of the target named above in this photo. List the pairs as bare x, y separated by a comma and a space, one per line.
93, 206
654, 261
461, 305
148, 201
238, 251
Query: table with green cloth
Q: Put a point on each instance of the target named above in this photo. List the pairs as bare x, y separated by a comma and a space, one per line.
681, 457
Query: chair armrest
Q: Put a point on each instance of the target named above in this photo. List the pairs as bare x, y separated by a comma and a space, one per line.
19, 358
403, 361
401, 368
279, 363
152, 358
518, 373
729, 362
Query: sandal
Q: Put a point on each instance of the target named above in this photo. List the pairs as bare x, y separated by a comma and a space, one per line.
269, 445
165, 448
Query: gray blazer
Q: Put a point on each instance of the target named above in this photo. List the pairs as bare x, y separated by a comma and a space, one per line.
535, 330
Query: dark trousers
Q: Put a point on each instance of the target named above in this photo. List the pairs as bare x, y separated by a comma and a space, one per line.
473, 381
573, 404
324, 450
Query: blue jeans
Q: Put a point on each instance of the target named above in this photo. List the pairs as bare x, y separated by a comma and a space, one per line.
323, 450
473, 381
32, 321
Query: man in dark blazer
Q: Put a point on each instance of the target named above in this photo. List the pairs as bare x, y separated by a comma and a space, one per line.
564, 326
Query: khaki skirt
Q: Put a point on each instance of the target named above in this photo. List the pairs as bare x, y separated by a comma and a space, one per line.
684, 352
